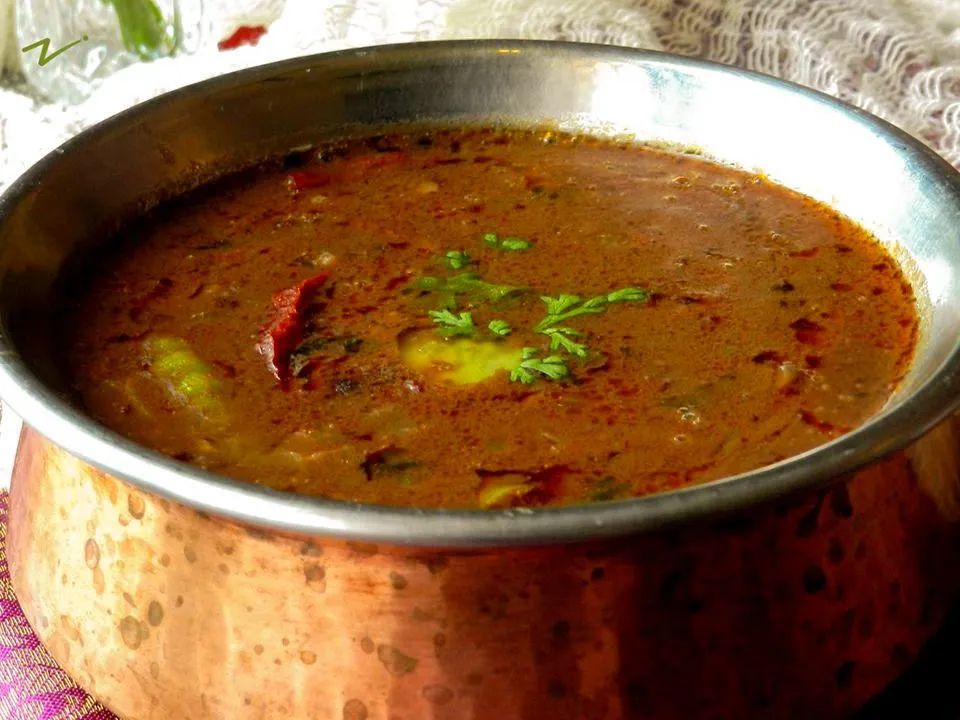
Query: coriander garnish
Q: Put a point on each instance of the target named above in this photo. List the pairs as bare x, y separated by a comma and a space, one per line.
457, 259
560, 340
552, 367
559, 309
565, 307
453, 325
628, 294
499, 327
465, 284
507, 244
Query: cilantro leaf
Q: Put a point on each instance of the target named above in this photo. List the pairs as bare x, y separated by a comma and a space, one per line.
560, 339
469, 284
531, 367
507, 244
566, 307
515, 244
499, 327
555, 306
453, 325
563, 331
457, 259
628, 294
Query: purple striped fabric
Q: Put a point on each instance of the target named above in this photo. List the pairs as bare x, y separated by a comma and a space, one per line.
32, 686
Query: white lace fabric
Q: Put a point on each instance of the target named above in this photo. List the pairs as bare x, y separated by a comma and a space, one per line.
899, 59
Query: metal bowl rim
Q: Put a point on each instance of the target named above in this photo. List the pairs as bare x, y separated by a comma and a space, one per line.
42, 408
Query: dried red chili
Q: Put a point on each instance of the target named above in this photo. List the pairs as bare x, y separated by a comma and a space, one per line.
284, 332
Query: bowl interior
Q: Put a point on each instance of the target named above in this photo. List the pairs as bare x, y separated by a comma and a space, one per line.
77, 196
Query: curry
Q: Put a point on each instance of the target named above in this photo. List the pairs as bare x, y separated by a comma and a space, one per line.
489, 318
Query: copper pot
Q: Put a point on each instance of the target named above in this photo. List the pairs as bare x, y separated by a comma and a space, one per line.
795, 591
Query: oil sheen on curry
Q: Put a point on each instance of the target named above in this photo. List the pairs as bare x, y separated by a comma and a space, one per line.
485, 319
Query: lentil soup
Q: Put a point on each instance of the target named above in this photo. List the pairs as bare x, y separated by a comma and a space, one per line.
489, 318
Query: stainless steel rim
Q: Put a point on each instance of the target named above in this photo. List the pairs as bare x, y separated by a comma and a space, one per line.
43, 409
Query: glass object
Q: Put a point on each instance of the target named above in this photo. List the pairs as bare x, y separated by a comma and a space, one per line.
109, 35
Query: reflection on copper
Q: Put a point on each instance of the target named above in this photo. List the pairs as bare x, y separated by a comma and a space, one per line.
803, 609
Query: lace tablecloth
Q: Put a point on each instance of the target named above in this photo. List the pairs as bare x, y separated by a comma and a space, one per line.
899, 59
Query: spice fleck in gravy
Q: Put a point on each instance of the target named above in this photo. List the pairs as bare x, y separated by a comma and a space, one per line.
483, 318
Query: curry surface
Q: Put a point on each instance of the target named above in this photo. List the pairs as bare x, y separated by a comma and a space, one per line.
277, 327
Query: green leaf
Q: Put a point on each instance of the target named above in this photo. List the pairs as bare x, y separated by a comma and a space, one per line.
521, 375
515, 244
457, 259
628, 294
507, 244
553, 366
531, 367
566, 307
499, 327
559, 340
469, 284
453, 325
144, 29
555, 306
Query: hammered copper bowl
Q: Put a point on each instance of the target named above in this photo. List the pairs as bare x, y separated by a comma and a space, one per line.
796, 591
